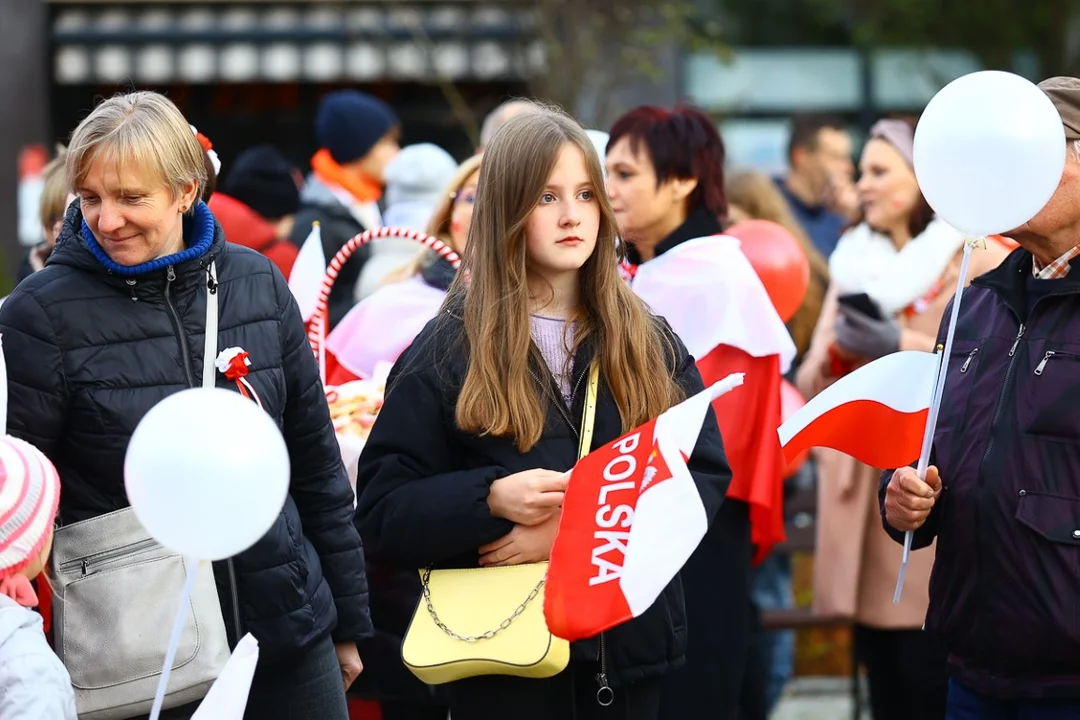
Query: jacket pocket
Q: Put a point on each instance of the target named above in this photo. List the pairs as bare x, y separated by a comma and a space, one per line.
1056, 518
961, 371
1049, 401
1037, 586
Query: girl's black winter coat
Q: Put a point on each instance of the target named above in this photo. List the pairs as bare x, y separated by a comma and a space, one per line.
423, 485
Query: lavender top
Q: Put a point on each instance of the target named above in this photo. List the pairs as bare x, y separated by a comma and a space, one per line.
552, 336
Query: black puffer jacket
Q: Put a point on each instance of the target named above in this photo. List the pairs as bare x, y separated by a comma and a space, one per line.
89, 352
423, 484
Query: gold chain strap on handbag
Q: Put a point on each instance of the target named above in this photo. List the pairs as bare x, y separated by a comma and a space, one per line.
588, 417
486, 635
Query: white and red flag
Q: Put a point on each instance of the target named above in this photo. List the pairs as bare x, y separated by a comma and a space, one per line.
877, 413
631, 517
712, 297
306, 277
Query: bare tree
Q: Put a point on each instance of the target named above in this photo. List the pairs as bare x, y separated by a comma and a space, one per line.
591, 50
594, 48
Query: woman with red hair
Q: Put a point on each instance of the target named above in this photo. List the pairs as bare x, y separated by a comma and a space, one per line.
665, 178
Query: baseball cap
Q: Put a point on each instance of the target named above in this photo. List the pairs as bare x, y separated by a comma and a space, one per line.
1064, 92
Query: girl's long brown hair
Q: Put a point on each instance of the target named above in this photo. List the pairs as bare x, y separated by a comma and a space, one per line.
499, 395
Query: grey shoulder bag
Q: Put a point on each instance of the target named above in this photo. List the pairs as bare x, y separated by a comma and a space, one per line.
115, 591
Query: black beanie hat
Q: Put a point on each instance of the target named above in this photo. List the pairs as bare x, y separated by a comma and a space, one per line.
264, 180
348, 123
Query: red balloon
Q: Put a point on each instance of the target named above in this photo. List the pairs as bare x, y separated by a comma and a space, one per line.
790, 401
779, 261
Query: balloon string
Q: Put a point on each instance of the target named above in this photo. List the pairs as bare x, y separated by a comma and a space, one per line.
174, 639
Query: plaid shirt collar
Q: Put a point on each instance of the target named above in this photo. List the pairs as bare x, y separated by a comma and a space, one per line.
1057, 269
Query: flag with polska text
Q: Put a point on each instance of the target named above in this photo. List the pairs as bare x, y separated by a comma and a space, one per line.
631, 518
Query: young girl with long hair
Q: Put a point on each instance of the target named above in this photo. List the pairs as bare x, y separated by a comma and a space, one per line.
466, 465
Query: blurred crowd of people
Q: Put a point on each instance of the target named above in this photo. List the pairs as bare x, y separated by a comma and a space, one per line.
329, 593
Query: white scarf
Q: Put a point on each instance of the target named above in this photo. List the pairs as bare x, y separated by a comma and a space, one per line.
867, 261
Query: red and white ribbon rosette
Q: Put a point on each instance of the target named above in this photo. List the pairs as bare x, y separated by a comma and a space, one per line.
233, 363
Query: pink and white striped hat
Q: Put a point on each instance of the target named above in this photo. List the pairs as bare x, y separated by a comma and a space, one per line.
29, 496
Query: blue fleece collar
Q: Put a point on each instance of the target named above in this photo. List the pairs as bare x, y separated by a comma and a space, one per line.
199, 236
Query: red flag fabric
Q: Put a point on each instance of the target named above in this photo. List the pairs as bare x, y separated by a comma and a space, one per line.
877, 414
747, 420
714, 300
337, 373
631, 517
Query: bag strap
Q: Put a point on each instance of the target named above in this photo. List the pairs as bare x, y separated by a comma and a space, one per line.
588, 419
426, 581
588, 414
209, 372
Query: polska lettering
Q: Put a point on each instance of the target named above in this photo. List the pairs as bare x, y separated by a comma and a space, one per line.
617, 512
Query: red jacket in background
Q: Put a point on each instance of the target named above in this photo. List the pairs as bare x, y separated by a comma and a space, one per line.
748, 420
244, 226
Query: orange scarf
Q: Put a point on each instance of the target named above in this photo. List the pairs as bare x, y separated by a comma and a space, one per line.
364, 189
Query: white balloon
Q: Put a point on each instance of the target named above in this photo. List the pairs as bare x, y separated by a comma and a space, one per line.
989, 152
207, 473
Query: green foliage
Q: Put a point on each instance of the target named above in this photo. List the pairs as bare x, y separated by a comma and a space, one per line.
994, 30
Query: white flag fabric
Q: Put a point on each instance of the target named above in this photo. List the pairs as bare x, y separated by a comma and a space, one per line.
228, 696
308, 272
710, 294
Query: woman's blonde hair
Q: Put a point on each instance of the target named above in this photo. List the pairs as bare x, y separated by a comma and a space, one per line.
499, 395
144, 128
756, 195
438, 225
54, 191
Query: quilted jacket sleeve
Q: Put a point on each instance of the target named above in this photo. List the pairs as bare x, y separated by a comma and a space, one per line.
417, 506
37, 385
320, 486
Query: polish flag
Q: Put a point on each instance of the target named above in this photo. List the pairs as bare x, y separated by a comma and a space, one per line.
306, 277
379, 328
712, 297
631, 517
877, 414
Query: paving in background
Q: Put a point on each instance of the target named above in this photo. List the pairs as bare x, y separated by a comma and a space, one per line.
817, 699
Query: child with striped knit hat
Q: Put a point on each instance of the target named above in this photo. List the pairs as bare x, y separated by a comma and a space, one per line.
34, 685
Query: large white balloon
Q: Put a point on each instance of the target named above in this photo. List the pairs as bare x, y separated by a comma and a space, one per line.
989, 152
207, 473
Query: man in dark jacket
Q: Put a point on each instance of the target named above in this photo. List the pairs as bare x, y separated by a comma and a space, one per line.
358, 137
1003, 497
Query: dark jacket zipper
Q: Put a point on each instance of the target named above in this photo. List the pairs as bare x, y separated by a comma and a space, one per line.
986, 456
970, 357
178, 327
605, 695
1041, 367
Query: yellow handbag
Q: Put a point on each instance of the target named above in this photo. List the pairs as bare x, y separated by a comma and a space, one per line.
482, 626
